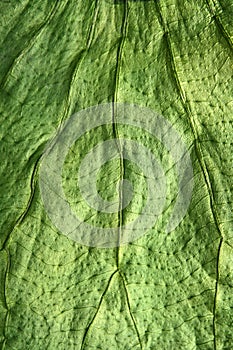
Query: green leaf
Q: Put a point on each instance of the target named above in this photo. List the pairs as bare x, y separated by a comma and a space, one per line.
165, 289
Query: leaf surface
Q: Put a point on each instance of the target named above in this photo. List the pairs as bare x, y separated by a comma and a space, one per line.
164, 290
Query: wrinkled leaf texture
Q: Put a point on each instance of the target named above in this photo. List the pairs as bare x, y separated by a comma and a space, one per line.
163, 291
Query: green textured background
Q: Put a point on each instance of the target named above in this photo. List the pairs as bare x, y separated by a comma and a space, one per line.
163, 291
